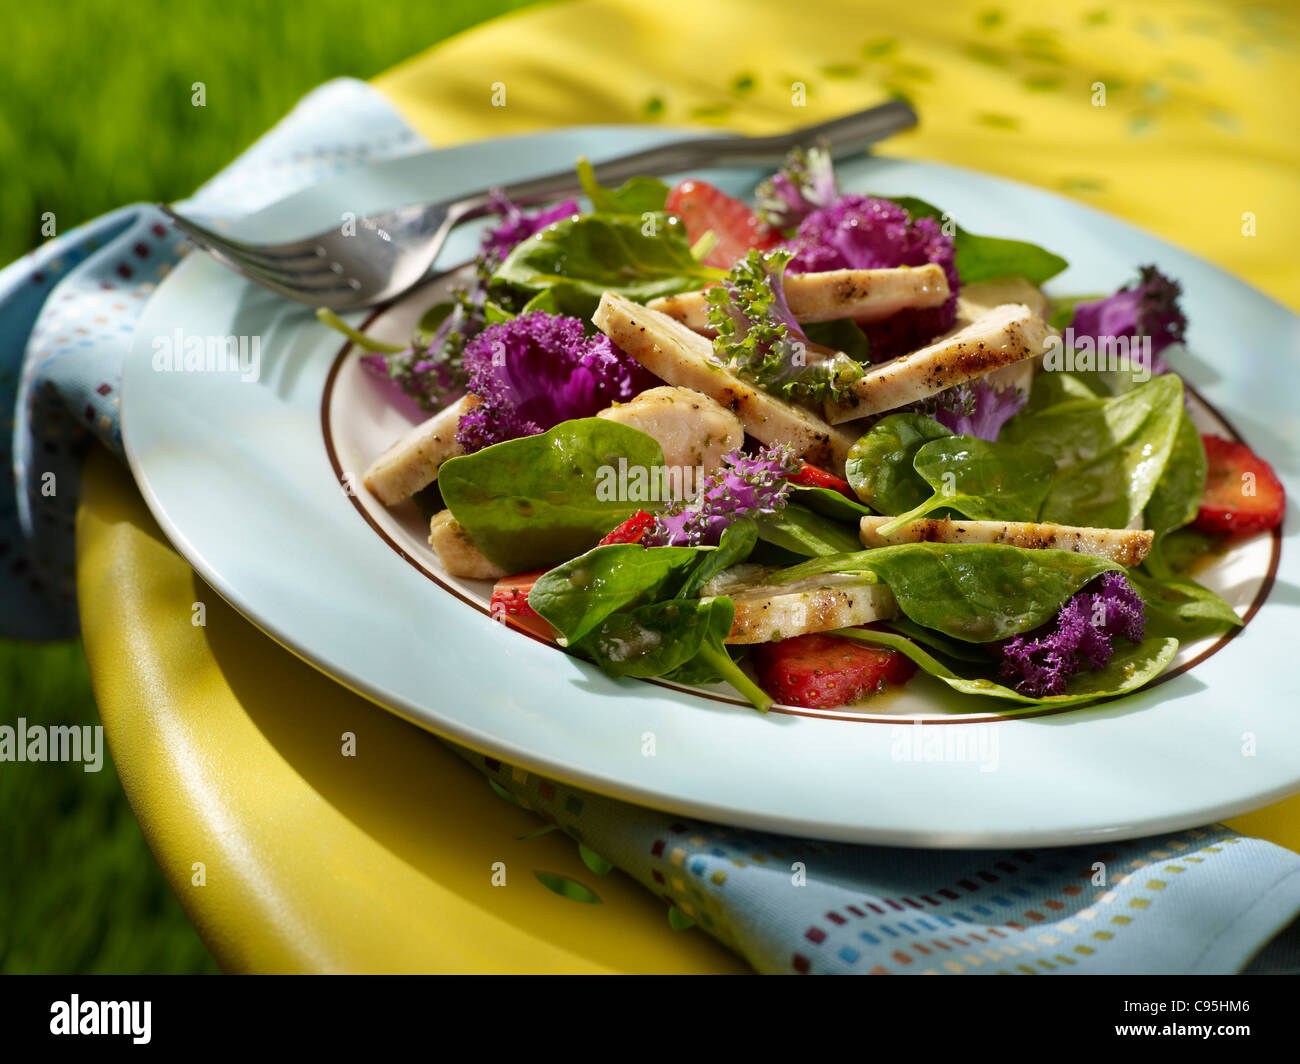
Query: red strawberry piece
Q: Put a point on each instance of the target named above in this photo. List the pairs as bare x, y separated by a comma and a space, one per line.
632, 530
704, 208
510, 604
823, 671
811, 477
1242, 493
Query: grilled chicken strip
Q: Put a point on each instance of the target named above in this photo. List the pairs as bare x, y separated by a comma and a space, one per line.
999, 337
694, 430
1123, 546
982, 296
674, 353
413, 461
767, 612
457, 552
1018, 375
867, 295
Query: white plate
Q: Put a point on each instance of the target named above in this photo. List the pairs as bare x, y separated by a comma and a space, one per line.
248, 480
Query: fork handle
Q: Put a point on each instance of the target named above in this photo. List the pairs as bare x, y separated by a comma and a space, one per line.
844, 136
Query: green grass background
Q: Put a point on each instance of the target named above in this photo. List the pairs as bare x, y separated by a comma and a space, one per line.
95, 112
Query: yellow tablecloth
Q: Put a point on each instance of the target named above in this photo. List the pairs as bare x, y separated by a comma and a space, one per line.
230, 751
1179, 117
290, 857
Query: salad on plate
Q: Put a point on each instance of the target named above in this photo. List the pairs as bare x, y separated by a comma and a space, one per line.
810, 447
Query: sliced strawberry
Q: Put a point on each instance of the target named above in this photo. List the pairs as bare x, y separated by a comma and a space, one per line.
811, 477
823, 671
704, 208
510, 604
1242, 493
632, 530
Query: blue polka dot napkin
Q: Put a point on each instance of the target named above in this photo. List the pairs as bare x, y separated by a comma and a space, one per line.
67, 311
1195, 902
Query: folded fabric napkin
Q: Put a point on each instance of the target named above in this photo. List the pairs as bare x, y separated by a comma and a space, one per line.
67, 311
1199, 901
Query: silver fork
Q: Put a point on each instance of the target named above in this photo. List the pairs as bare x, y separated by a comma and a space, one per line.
394, 250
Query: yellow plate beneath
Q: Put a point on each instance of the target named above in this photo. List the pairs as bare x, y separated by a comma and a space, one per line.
289, 856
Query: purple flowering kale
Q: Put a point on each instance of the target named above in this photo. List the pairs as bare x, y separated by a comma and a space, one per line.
537, 370
428, 375
1081, 635
415, 385
758, 336
977, 410
1148, 308
864, 233
516, 226
743, 486
805, 182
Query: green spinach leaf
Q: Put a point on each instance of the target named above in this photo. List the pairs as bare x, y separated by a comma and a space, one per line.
532, 502
737, 543
1131, 666
950, 648
982, 480
879, 466
495, 313
577, 595
1052, 386
977, 592
548, 299
1109, 453
428, 324
680, 637
829, 503
1184, 547
1104, 382
1049, 389
595, 253
1177, 495
1062, 312
702, 668
982, 258
806, 532
657, 638
1179, 606
637, 195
